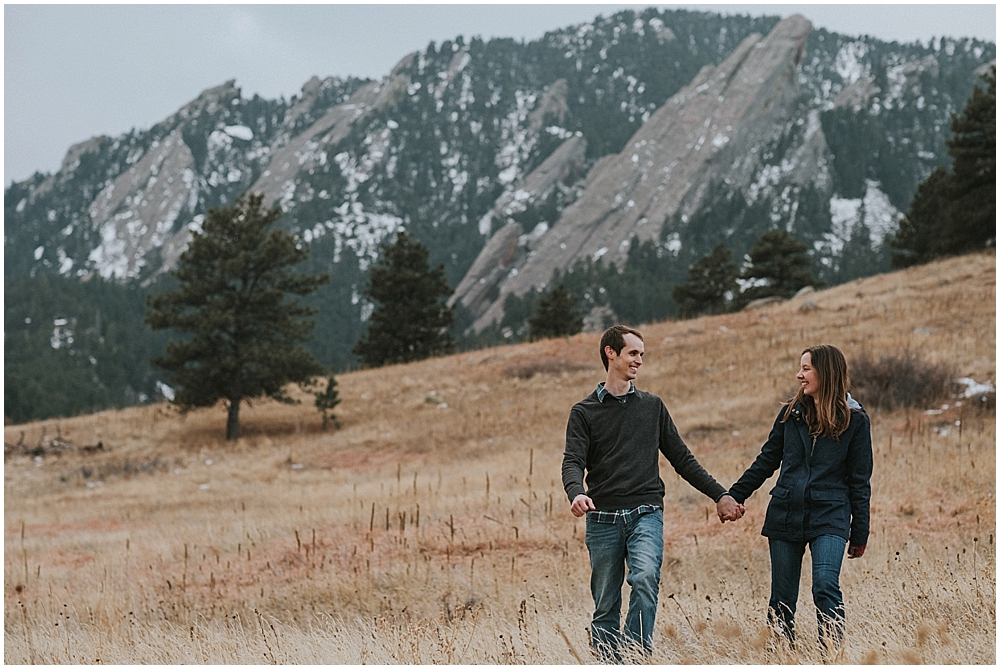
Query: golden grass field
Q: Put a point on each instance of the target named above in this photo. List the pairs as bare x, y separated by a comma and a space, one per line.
433, 528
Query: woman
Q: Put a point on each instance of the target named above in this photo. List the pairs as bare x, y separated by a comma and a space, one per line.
821, 439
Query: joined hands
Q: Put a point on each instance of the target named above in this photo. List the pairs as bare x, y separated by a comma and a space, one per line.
729, 509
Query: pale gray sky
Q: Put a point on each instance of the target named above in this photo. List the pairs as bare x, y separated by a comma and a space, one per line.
75, 71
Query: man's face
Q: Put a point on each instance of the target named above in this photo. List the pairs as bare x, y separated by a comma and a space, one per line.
625, 365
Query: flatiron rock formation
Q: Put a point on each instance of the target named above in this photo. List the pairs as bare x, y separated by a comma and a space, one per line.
711, 130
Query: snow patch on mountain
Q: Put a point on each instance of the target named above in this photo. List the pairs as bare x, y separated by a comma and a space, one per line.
361, 231
873, 213
517, 142
65, 262
239, 132
62, 333
850, 64
109, 256
881, 218
165, 390
843, 217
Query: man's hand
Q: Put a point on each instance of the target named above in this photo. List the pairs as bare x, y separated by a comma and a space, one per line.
729, 509
581, 505
856, 551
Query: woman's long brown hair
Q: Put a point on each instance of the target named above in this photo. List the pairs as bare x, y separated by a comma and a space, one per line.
827, 412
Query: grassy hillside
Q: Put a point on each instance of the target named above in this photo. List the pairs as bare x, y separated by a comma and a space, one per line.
433, 526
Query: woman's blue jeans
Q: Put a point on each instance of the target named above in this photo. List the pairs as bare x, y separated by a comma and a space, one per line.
827, 553
612, 546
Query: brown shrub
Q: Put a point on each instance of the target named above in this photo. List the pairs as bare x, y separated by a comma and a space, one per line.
903, 380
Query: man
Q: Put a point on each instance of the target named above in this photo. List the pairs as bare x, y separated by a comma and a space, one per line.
616, 435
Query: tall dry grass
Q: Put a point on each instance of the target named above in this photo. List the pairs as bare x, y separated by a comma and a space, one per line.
433, 527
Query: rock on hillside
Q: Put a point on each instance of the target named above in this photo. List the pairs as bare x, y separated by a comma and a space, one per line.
309, 148
510, 244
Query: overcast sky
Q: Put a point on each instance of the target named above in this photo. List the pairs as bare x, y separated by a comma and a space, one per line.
72, 72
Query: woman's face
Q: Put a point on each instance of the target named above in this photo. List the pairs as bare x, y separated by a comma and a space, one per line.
807, 376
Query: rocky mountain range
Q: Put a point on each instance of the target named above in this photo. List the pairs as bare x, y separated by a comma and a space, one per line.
512, 160
713, 130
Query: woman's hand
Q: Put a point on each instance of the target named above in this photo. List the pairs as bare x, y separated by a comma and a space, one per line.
856, 551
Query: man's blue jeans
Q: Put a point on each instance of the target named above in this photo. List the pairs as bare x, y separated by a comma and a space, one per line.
612, 546
827, 553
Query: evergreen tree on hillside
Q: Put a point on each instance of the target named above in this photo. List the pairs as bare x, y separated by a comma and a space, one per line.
326, 401
973, 149
243, 335
918, 239
557, 315
955, 212
779, 267
410, 322
711, 284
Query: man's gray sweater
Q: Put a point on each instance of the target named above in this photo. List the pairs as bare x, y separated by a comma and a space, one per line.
618, 445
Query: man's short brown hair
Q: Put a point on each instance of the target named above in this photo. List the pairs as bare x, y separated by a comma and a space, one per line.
614, 337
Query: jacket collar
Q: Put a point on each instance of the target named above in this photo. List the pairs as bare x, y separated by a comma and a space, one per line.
801, 427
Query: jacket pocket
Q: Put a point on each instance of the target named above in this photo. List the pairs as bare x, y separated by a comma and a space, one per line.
829, 507
776, 518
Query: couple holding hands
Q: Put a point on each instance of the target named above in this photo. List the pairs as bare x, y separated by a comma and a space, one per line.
821, 440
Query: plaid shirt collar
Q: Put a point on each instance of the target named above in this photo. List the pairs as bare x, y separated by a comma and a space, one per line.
602, 393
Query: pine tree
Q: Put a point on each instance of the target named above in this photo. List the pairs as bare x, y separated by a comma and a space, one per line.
711, 284
918, 239
410, 322
556, 316
955, 212
327, 400
973, 196
244, 335
779, 267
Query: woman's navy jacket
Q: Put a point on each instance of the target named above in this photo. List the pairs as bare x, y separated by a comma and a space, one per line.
825, 483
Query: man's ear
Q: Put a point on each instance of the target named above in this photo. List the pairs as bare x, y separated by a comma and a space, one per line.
609, 352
